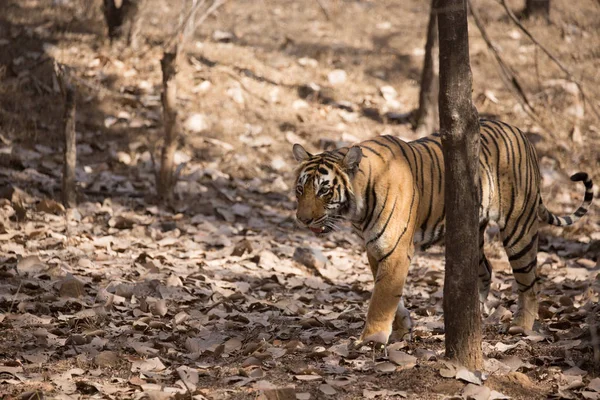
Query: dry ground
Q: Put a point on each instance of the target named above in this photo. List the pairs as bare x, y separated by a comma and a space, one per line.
122, 298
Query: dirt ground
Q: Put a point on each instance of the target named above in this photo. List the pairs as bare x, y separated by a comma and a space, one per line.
221, 295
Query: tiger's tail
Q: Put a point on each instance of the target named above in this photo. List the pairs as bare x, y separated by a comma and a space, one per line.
552, 219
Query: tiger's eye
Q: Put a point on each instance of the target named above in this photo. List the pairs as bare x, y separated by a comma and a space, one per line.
324, 191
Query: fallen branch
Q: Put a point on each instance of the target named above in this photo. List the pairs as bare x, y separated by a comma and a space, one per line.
564, 69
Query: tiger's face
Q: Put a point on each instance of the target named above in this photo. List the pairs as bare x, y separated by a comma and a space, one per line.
323, 187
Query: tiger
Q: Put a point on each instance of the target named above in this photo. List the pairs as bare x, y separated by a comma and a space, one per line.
392, 193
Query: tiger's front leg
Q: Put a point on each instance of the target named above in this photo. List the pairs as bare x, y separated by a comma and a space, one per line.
390, 275
402, 324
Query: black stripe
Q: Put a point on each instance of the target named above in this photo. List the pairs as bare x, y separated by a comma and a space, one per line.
367, 194
526, 269
403, 232
525, 226
580, 212
588, 196
399, 143
426, 220
373, 151
389, 139
524, 251
527, 287
381, 144
384, 225
519, 222
513, 200
371, 208
380, 211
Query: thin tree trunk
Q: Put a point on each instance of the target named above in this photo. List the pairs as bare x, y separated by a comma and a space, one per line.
69, 194
537, 9
427, 114
166, 176
123, 19
460, 140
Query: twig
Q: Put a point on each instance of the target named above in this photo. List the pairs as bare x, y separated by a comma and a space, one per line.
238, 80
593, 327
325, 12
570, 76
68, 75
189, 17
15, 298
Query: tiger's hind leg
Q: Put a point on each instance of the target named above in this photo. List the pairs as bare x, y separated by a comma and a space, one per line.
521, 246
485, 271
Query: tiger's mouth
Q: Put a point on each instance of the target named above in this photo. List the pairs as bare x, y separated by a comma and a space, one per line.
320, 230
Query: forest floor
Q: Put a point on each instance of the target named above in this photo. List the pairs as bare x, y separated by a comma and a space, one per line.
221, 295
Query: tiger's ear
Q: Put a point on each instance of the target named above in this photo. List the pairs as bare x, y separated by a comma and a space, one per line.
300, 154
352, 158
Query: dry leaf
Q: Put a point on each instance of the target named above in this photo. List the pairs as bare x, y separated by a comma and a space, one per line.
468, 376
476, 392
327, 389
149, 365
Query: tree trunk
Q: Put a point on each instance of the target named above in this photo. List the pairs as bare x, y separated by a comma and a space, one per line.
166, 177
69, 194
427, 114
123, 20
537, 9
459, 127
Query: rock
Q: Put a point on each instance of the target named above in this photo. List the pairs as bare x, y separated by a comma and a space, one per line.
388, 93
196, 123
236, 94
309, 91
223, 36
308, 62
278, 163
311, 258
337, 77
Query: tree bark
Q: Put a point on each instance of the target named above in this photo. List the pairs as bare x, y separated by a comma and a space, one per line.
69, 194
166, 176
427, 114
537, 9
459, 128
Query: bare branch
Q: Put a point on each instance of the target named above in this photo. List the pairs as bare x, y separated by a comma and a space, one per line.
325, 12
556, 61
509, 77
178, 36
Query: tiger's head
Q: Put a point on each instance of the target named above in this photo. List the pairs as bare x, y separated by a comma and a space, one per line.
323, 187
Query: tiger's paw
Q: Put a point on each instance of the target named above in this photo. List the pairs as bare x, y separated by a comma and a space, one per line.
377, 341
402, 326
524, 319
